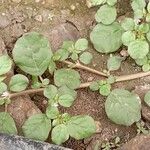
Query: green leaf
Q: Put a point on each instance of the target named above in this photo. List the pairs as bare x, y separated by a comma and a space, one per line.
86, 58
35, 82
91, 3
147, 98
111, 2
45, 82
52, 67
148, 7
67, 45
138, 4
74, 56
18, 83
81, 44
138, 49
138, 14
106, 14
148, 36
123, 107
50, 92
128, 24
7, 124
81, 126
146, 67
3, 88
2, 101
37, 127
102, 35
66, 100
94, 86
60, 134
68, 77
65, 90
114, 63
144, 28
2, 78
52, 112
105, 89
5, 64
128, 37
111, 79
142, 61
148, 17
62, 53
32, 53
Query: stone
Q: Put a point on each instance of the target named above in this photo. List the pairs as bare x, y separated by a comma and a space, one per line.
14, 142
140, 142
21, 108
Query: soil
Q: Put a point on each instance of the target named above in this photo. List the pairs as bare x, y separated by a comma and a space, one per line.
69, 19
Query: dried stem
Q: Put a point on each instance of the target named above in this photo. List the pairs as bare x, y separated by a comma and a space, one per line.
80, 66
87, 84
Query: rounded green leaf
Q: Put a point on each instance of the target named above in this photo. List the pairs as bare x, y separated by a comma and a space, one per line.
111, 2
37, 127
128, 37
68, 77
114, 63
66, 100
74, 56
138, 14
52, 112
91, 3
52, 67
105, 89
123, 107
50, 91
138, 49
5, 64
138, 4
146, 67
80, 127
144, 28
142, 61
65, 90
86, 58
18, 83
94, 86
147, 98
3, 88
7, 124
81, 44
148, 7
128, 24
60, 134
102, 35
148, 17
106, 14
62, 53
32, 53
148, 36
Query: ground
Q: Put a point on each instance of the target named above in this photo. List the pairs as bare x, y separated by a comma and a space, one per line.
70, 19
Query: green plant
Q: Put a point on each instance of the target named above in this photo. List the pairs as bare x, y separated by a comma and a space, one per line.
141, 128
33, 55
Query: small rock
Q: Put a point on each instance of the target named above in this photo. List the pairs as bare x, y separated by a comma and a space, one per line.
142, 90
37, 1
141, 142
146, 112
98, 127
72, 7
16, 1
4, 21
38, 18
21, 108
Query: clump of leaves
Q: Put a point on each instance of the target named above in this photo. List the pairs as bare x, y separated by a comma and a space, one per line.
141, 128
33, 55
111, 145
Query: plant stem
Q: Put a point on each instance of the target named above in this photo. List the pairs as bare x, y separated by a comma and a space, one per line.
87, 84
80, 66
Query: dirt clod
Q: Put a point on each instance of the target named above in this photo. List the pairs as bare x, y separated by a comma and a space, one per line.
141, 142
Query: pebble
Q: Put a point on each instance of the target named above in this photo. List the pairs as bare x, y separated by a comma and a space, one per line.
38, 18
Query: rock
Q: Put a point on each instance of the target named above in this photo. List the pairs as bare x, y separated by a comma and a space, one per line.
141, 142
142, 90
21, 108
61, 33
14, 142
146, 113
4, 21
38, 18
